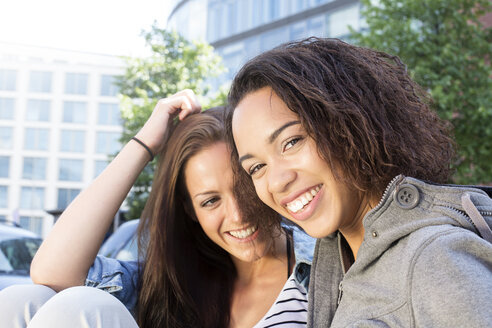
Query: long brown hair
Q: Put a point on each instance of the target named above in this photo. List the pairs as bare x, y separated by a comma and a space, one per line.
186, 279
370, 121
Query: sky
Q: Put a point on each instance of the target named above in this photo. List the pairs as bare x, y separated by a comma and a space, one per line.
110, 27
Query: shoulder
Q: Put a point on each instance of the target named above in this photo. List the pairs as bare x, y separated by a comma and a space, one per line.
451, 273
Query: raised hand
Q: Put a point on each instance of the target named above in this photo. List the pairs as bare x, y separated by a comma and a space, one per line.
183, 103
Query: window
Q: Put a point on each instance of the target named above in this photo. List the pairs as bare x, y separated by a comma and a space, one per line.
257, 12
7, 110
108, 87
109, 114
76, 83
4, 190
316, 26
72, 141
34, 168
273, 38
6, 137
301, 5
32, 198
99, 166
40, 81
216, 18
8, 79
71, 169
107, 142
74, 112
274, 9
32, 223
340, 20
4, 166
65, 197
36, 139
298, 31
38, 110
232, 17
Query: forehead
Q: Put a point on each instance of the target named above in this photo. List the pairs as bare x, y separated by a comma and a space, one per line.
261, 109
208, 168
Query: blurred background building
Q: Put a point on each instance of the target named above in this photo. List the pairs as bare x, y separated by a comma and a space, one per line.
241, 29
59, 120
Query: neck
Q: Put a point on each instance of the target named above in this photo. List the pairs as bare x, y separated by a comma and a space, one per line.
274, 259
354, 232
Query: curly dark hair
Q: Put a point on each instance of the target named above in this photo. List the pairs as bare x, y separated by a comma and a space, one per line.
369, 119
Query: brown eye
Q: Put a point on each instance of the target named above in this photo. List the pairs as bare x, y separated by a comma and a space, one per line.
255, 168
291, 143
210, 202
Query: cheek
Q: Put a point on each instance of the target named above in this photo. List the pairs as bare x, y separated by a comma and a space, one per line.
263, 194
209, 223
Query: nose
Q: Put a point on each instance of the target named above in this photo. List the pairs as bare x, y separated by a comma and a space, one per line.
233, 212
279, 177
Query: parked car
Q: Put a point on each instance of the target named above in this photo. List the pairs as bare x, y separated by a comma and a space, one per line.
17, 248
122, 244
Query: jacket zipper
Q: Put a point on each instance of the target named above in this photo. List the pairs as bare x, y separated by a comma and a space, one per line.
340, 293
340, 290
394, 181
467, 217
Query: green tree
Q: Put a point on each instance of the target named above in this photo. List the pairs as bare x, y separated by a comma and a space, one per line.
174, 64
447, 51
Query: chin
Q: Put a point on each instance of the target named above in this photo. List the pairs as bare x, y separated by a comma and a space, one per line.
317, 232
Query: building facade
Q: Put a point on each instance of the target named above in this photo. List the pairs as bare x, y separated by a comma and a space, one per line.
59, 121
241, 29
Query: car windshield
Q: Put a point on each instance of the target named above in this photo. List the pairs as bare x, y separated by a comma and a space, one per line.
16, 255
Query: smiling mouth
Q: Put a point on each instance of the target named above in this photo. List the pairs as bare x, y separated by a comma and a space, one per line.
243, 233
303, 200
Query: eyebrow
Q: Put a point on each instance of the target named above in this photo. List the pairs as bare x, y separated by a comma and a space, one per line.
204, 193
271, 138
277, 132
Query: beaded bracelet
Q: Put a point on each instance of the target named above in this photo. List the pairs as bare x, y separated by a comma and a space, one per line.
145, 146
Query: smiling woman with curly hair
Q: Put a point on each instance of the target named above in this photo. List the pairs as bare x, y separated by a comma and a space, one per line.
341, 141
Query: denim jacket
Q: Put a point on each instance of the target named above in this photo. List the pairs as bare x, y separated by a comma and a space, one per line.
120, 278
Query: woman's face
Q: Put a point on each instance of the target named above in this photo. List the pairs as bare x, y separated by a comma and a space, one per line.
286, 169
209, 180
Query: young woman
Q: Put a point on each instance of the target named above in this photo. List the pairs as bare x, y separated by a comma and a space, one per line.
205, 265
340, 140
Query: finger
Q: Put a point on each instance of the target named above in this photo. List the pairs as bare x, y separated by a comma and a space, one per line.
174, 104
188, 93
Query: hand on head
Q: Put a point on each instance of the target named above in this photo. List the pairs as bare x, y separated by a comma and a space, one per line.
182, 103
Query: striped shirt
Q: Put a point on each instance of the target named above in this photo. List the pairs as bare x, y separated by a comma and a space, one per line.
289, 309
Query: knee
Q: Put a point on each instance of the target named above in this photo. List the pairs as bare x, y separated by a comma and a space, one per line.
84, 305
21, 302
16, 295
82, 297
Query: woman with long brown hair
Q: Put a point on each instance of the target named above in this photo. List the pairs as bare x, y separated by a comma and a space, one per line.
203, 263
340, 140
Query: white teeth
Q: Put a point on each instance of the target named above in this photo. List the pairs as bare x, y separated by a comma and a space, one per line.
243, 233
299, 203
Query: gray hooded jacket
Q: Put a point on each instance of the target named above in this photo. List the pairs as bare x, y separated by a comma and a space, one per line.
423, 263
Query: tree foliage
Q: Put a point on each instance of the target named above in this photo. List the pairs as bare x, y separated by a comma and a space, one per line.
447, 50
174, 64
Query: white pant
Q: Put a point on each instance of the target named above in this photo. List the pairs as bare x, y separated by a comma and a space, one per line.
37, 306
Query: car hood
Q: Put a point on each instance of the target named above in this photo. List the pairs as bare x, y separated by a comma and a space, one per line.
8, 280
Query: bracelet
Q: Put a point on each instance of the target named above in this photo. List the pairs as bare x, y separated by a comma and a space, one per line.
145, 146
